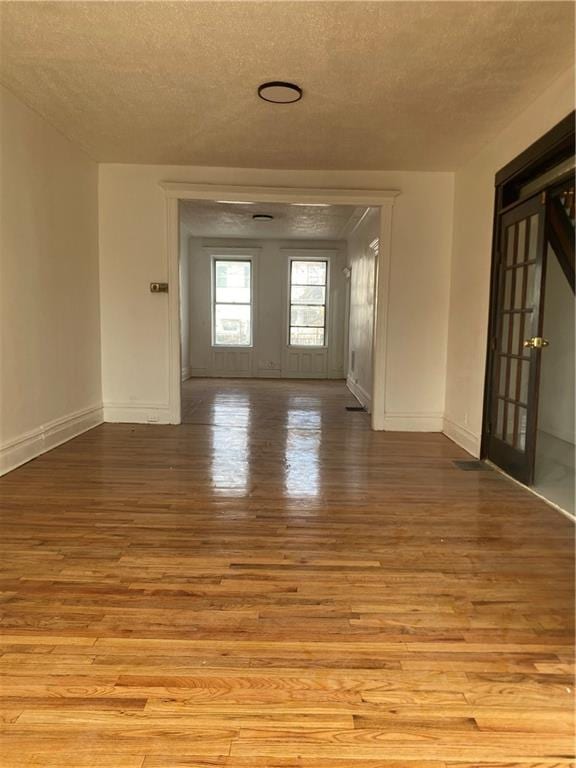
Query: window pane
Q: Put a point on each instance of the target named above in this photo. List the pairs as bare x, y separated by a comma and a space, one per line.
232, 281
306, 315
232, 325
308, 294
308, 273
307, 337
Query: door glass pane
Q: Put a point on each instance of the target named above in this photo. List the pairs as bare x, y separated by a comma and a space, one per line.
533, 243
508, 277
521, 244
510, 245
522, 421
502, 376
519, 288
505, 332
499, 418
232, 324
512, 379
510, 413
524, 375
516, 341
530, 278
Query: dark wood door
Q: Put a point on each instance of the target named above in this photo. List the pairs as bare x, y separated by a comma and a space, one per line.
516, 342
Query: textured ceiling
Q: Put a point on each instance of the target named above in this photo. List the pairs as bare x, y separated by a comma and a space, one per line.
207, 219
387, 85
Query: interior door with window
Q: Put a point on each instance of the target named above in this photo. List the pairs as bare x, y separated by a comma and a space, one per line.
517, 342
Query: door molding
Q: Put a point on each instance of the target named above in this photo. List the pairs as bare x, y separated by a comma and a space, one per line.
545, 153
374, 198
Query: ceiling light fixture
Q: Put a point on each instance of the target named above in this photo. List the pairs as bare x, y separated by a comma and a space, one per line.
262, 217
279, 92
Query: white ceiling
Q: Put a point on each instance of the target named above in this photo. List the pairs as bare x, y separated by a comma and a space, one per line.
209, 219
387, 85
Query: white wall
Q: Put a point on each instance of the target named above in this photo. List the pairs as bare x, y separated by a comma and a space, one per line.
133, 253
556, 398
50, 384
269, 356
362, 262
185, 307
471, 257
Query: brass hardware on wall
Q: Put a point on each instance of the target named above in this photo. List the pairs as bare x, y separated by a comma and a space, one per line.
536, 342
158, 287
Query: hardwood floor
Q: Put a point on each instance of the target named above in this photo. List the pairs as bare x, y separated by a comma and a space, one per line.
273, 585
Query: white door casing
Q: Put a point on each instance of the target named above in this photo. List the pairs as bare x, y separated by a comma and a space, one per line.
383, 199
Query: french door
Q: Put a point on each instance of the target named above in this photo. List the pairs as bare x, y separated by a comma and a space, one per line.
517, 343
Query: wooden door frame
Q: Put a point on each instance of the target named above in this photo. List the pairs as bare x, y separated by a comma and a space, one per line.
373, 198
545, 153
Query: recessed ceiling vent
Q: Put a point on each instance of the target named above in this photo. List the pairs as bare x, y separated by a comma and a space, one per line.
279, 92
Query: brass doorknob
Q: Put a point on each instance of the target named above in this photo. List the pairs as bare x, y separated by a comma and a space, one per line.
536, 342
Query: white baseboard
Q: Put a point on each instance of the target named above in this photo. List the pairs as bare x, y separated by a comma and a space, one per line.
185, 373
462, 436
359, 393
412, 422
269, 373
28, 446
137, 413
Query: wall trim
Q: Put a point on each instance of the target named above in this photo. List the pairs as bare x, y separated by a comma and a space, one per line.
186, 372
269, 373
136, 413
462, 436
359, 393
199, 371
378, 198
413, 422
34, 443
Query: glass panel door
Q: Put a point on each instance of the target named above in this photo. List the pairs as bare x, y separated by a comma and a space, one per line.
515, 346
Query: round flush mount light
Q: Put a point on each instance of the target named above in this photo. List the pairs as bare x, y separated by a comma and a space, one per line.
262, 217
279, 92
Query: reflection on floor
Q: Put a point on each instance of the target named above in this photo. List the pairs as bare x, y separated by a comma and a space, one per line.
554, 471
272, 584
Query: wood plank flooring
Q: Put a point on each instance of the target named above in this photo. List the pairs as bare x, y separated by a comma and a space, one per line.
273, 585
